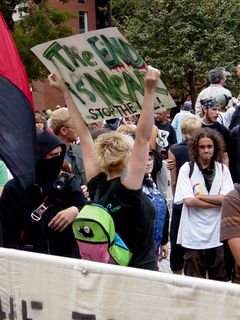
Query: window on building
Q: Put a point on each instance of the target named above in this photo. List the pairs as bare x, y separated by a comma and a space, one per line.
82, 1
83, 22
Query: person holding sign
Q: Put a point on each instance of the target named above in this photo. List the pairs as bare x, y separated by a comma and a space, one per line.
115, 161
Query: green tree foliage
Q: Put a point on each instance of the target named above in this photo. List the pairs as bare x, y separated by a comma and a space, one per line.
41, 24
122, 12
184, 39
7, 9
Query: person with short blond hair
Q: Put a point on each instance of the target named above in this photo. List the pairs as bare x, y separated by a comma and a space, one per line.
63, 127
113, 163
60, 118
127, 129
154, 137
189, 125
112, 151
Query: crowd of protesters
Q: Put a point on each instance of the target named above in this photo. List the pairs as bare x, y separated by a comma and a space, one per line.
141, 160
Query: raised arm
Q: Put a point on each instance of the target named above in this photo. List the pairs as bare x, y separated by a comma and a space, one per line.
133, 174
86, 141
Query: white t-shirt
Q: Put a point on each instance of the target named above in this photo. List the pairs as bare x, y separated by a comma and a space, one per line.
200, 228
226, 117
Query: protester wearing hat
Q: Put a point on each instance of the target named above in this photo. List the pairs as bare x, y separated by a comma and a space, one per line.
185, 111
225, 114
210, 112
217, 78
39, 218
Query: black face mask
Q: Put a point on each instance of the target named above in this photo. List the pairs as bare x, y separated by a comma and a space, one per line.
48, 169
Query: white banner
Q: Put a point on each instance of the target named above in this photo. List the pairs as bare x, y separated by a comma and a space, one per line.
103, 72
41, 287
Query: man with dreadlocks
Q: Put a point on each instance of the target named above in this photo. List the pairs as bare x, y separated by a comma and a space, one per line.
201, 186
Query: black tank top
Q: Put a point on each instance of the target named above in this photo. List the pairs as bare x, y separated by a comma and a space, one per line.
181, 154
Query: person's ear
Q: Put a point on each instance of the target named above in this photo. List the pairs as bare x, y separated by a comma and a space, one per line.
204, 109
63, 131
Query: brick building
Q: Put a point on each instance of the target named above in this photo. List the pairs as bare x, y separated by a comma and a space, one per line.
88, 17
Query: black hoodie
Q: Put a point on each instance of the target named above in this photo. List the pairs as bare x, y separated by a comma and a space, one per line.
17, 204
47, 171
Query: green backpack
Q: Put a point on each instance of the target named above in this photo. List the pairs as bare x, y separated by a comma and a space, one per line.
94, 231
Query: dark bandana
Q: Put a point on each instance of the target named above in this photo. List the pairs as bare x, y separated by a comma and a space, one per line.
208, 174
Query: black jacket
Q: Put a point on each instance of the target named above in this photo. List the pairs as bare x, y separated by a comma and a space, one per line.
20, 231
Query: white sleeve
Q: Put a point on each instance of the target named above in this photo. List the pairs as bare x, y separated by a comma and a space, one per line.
227, 183
230, 102
228, 115
184, 187
174, 122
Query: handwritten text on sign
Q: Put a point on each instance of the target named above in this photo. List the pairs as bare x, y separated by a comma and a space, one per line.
103, 72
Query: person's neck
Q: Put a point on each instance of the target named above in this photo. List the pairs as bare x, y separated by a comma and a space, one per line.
205, 120
113, 175
222, 83
162, 123
217, 84
65, 141
67, 144
204, 163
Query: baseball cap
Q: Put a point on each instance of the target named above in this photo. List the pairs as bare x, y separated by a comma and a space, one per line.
223, 99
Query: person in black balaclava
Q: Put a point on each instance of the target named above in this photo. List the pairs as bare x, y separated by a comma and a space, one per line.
39, 218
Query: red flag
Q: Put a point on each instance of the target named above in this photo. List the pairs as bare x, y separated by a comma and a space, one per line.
17, 134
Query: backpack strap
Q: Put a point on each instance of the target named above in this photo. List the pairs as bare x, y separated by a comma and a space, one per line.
191, 167
60, 184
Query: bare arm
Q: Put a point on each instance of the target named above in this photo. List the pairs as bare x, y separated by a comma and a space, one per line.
63, 219
213, 199
164, 250
173, 171
197, 203
136, 167
234, 245
86, 141
225, 159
